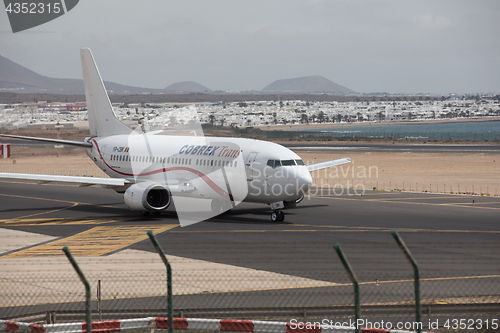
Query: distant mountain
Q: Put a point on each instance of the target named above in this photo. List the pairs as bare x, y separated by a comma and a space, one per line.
307, 84
16, 78
187, 87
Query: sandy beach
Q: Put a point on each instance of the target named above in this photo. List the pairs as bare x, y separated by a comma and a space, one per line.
434, 172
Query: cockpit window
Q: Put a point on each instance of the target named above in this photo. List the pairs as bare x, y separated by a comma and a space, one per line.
274, 163
287, 162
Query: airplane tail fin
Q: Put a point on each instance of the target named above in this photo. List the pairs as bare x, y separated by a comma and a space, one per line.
102, 118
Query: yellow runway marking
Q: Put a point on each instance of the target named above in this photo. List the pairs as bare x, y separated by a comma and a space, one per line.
335, 284
50, 211
57, 200
451, 204
35, 198
342, 229
95, 242
62, 221
416, 198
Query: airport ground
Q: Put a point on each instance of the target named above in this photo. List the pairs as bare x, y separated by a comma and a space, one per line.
455, 238
412, 167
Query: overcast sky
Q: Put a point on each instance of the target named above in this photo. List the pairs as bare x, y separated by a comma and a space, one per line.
425, 46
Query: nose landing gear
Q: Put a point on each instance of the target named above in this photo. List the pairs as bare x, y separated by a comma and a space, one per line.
277, 216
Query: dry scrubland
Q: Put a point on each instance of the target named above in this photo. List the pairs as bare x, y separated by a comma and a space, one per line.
433, 172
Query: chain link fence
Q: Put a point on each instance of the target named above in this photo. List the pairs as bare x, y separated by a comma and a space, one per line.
137, 288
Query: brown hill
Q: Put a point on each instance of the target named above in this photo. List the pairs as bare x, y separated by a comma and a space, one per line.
16, 78
186, 87
308, 84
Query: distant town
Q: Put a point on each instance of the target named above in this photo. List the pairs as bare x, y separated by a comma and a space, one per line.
159, 116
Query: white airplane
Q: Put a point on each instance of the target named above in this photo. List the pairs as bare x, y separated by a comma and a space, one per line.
152, 170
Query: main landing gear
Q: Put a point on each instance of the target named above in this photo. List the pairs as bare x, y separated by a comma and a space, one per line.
277, 216
220, 206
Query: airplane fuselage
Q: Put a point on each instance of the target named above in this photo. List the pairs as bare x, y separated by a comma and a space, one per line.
270, 172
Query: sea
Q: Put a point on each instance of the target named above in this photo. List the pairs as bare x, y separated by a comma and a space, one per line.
462, 131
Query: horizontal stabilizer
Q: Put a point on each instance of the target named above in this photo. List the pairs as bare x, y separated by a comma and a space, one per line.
63, 142
327, 164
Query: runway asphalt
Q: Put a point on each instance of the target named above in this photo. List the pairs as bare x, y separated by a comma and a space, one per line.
415, 147
447, 234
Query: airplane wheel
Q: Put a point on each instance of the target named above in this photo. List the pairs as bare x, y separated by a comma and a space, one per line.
281, 216
275, 216
156, 213
145, 213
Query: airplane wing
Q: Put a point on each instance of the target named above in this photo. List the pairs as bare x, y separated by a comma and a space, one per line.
111, 183
327, 164
82, 181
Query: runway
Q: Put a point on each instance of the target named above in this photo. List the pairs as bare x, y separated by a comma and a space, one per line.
415, 147
400, 147
448, 234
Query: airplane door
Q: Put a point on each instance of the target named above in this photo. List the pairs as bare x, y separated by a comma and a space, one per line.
248, 165
101, 160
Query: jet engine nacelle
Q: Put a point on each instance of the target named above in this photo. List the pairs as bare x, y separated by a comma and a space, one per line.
147, 196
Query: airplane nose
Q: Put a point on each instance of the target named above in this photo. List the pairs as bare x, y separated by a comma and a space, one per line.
304, 179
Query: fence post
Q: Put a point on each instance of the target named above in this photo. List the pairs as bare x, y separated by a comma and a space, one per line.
354, 280
99, 310
169, 280
413, 262
88, 304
